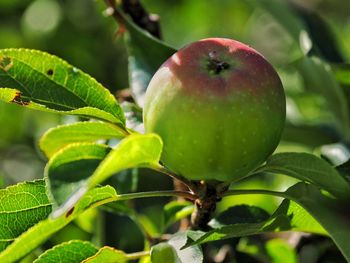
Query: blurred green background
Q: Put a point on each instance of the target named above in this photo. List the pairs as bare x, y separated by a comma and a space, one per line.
79, 32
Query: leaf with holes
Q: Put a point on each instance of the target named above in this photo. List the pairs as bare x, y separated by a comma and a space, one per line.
41, 81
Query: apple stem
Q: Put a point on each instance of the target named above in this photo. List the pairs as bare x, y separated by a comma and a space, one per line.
209, 194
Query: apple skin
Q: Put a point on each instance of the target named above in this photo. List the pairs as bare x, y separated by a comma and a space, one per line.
219, 107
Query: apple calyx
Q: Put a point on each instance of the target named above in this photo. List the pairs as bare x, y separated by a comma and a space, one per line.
216, 66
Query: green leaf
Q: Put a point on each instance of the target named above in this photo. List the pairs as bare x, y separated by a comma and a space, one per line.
288, 216
41, 81
280, 252
74, 251
70, 167
240, 214
37, 234
283, 15
146, 55
58, 137
175, 211
319, 78
172, 251
136, 150
308, 167
324, 215
164, 252
324, 41
108, 255
332, 214
22, 206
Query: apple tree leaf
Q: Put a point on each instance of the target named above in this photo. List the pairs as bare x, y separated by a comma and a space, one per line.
60, 136
70, 167
41, 81
74, 251
172, 252
21, 206
319, 78
40, 232
325, 216
310, 168
146, 55
136, 150
108, 255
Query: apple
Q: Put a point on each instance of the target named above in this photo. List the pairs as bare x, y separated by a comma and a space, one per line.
219, 107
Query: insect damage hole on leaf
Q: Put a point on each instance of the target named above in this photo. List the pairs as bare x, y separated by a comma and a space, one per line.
50, 72
19, 100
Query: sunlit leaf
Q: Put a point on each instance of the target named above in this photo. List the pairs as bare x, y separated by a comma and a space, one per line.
40, 232
60, 136
74, 251
21, 206
41, 81
308, 167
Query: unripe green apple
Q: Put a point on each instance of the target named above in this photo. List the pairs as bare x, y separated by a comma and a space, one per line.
219, 107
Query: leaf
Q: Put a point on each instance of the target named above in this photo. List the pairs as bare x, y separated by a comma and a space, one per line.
332, 214
283, 15
60, 136
324, 41
240, 214
146, 55
308, 167
164, 252
70, 167
251, 221
37, 234
280, 252
324, 215
21, 206
136, 150
73, 251
41, 81
172, 251
319, 79
175, 211
107, 255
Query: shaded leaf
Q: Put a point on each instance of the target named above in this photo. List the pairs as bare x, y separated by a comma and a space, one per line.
41, 81
319, 78
70, 167
308, 167
107, 255
146, 55
288, 216
324, 215
240, 214
40, 232
171, 251
73, 251
324, 41
60, 136
175, 211
21, 206
136, 150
